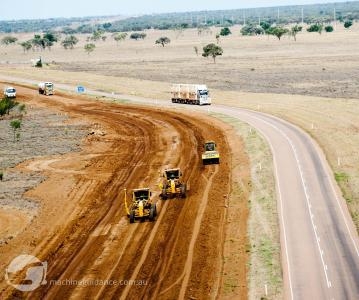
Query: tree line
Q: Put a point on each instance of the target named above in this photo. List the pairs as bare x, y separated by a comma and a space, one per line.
323, 13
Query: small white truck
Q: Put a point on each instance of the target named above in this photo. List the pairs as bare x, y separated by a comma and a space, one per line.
10, 92
190, 94
46, 88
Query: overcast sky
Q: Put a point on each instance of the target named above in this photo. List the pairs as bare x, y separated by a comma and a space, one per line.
36, 9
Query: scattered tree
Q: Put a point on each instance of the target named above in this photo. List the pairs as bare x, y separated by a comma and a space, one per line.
265, 25
7, 40
119, 36
97, 35
252, 30
348, 23
329, 28
42, 42
212, 50
1, 175
69, 42
15, 125
163, 41
225, 31
136, 36
26, 46
89, 48
315, 28
48, 40
277, 31
294, 30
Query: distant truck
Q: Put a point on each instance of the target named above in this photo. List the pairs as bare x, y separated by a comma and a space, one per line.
190, 94
10, 92
46, 88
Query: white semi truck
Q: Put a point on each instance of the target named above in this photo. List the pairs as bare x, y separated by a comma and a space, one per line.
46, 88
190, 94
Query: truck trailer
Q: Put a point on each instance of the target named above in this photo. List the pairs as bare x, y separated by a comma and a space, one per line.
190, 94
46, 88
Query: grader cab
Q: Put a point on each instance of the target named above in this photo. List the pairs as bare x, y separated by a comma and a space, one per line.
210, 155
141, 206
172, 185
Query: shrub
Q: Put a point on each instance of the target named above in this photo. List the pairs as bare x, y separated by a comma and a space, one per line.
329, 28
225, 31
315, 28
348, 23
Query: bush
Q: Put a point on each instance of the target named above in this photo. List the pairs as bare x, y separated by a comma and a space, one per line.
329, 28
136, 36
163, 40
252, 30
315, 28
225, 31
348, 23
7, 104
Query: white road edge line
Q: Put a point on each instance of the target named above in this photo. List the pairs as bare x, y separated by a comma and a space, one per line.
305, 192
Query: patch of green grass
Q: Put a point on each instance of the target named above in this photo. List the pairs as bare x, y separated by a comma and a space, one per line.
341, 177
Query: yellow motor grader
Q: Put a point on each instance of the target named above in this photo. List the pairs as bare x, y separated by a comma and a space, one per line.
142, 206
210, 155
172, 185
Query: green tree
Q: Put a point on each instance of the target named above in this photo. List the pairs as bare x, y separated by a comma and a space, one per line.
15, 125
69, 42
252, 30
119, 36
89, 48
212, 50
225, 31
294, 30
348, 23
7, 40
138, 36
26, 46
265, 25
48, 40
278, 31
163, 41
37, 42
329, 28
97, 35
317, 27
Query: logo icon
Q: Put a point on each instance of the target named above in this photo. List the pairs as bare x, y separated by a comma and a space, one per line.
26, 273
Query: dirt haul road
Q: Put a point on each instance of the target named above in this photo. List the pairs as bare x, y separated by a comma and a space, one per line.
89, 239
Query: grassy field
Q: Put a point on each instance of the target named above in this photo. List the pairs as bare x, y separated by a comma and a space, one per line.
312, 82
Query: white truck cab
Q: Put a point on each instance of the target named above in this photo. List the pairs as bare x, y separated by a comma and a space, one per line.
10, 92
